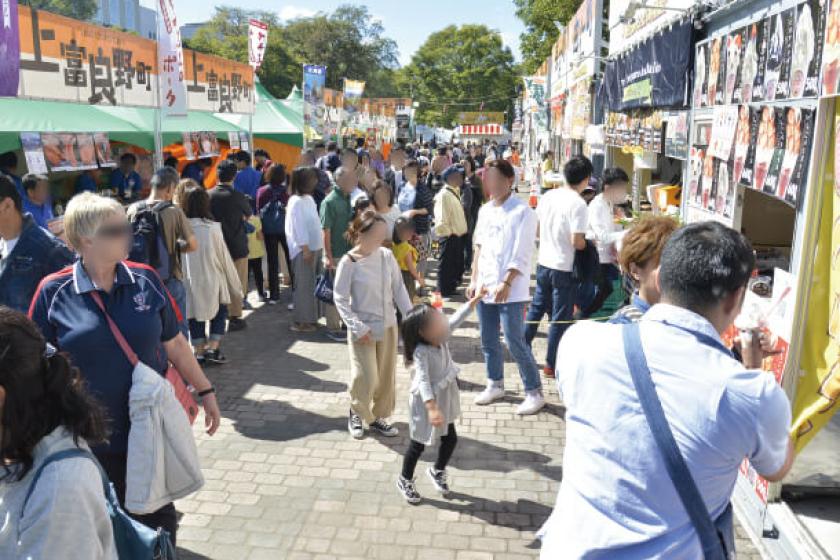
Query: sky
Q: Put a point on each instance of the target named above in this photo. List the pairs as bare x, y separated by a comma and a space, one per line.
408, 23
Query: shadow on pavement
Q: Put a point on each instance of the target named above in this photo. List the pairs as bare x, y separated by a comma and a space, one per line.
522, 515
472, 454
184, 554
296, 423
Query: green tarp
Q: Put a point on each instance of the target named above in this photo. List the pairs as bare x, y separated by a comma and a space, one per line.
274, 119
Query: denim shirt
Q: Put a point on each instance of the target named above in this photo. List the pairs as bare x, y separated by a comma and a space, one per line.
36, 254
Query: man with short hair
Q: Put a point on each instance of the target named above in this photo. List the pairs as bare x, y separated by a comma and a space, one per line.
232, 209
605, 233
308, 159
28, 253
336, 215
617, 499
349, 159
176, 233
451, 228
248, 179
563, 221
347, 180
262, 159
394, 173
124, 179
331, 160
8, 166
195, 170
36, 201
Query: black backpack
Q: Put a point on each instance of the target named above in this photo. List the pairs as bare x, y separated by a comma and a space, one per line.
148, 245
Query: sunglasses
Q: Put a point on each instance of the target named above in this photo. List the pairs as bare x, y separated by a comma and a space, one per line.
115, 231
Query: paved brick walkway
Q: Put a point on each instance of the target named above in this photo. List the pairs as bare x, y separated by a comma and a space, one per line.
285, 480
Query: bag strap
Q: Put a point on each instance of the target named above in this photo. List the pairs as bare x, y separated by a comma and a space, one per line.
115, 330
59, 456
674, 462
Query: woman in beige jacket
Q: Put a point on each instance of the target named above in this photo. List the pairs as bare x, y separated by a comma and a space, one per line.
213, 280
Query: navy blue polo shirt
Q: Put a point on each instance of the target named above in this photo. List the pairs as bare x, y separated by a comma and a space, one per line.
72, 322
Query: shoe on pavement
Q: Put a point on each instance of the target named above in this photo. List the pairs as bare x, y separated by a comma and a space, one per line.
202, 361
337, 336
355, 426
440, 480
247, 305
291, 306
548, 372
237, 324
215, 356
408, 490
302, 328
490, 394
384, 428
533, 403
272, 301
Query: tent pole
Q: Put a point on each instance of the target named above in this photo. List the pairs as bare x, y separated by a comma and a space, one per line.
158, 155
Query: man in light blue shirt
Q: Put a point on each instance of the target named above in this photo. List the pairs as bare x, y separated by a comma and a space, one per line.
616, 499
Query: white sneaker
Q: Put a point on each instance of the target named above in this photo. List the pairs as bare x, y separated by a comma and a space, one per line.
534, 401
490, 394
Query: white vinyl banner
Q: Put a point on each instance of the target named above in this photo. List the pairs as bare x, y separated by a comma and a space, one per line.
173, 87
257, 41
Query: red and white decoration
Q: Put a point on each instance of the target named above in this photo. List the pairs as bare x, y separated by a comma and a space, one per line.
481, 130
257, 40
173, 88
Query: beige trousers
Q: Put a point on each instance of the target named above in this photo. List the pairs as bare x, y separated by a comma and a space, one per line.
373, 376
235, 307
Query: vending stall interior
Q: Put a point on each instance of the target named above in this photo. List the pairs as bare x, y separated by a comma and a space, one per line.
760, 138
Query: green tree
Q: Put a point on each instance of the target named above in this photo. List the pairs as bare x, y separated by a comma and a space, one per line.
76, 9
226, 35
463, 68
350, 43
540, 18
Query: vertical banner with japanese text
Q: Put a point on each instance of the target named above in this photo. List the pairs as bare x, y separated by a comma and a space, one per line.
257, 41
9, 48
314, 80
353, 90
173, 91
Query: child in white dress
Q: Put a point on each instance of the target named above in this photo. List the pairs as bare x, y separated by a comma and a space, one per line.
434, 400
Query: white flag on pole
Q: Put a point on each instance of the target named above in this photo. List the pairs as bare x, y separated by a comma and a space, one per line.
173, 88
257, 41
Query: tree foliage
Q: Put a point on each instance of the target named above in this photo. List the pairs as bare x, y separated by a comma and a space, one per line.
76, 9
349, 42
540, 18
460, 69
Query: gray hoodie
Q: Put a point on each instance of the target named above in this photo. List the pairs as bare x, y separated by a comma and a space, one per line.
65, 517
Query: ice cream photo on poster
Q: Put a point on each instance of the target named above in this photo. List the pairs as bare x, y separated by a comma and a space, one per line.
803, 51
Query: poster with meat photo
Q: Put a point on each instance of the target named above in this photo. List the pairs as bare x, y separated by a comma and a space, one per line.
716, 79
756, 60
831, 50
103, 150
707, 182
701, 65
771, 182
766, 145
735, 44
87, 151
695, 174
799, 130
60, 151
742, 143
779, 47
806, 57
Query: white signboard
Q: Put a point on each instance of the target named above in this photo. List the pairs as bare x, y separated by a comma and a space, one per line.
173, 87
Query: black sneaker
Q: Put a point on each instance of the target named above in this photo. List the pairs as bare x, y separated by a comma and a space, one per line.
355, 426
237, 324
408, 490
200, 359
247, 305
440, 480
215, 356
384, 428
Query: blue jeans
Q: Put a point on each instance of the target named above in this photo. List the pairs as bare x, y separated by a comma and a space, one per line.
198, 329
179, 294
512, 317
591, 296
555, 296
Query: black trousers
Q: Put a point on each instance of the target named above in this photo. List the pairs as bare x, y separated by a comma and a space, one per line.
166, 517
271, 244
468, 249
451, 267
415, 450
255, 268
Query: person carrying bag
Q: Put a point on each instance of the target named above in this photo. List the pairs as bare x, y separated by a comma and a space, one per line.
163, 463
717, 537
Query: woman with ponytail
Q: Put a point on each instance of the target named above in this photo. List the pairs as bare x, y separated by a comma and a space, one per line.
44, 409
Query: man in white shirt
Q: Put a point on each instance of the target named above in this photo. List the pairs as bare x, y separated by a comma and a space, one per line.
616, 499
504, 245
563, 219
605, 233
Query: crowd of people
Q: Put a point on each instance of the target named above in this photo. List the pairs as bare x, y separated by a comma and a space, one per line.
173, 270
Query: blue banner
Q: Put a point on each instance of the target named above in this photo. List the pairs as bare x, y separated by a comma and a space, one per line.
314, 110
